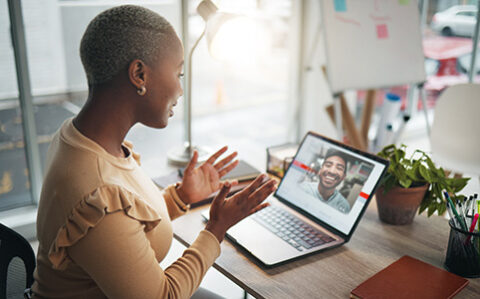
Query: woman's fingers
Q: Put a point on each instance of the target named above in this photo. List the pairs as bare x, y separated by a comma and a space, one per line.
255, 193
258, 208
226, 212
225, 161
221, 195
254, 185
262, 193
268, 187
215, 156
233, 183
192, 162
227, 169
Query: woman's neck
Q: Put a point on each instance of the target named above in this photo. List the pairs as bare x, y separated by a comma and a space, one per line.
105, 121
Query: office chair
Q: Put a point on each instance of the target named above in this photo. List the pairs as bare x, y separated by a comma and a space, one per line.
17, 262
454, 138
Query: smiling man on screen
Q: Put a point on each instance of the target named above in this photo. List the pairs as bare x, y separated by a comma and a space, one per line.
331, 174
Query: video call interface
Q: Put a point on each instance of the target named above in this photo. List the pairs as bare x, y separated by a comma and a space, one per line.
330, 182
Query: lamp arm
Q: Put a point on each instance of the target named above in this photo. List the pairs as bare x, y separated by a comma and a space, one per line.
188, 103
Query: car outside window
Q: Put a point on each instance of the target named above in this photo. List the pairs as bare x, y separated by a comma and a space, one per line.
466, 13
464, 63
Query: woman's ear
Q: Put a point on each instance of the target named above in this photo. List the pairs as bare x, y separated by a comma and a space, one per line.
137, 73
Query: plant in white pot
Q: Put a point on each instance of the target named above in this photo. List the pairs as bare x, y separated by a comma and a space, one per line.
412, 182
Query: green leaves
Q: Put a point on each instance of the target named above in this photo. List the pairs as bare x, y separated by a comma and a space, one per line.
457, 184
416, 170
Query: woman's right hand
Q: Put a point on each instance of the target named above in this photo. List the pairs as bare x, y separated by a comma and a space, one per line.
226, 212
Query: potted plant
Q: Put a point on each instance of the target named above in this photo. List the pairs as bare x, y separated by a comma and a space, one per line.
411, 182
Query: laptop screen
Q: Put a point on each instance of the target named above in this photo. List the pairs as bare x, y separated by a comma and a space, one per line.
331, 182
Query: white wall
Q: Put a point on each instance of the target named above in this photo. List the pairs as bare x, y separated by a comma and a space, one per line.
314, 88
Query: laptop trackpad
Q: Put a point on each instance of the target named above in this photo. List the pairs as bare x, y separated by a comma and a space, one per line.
261, 242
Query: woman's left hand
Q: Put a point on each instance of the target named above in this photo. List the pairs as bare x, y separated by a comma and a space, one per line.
199, 182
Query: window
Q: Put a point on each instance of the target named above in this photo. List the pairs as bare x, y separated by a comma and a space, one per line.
238, 82
464, 63
52, 32
466, 14
452, 51
14, 180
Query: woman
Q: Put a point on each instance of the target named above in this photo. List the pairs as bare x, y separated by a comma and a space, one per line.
102, 225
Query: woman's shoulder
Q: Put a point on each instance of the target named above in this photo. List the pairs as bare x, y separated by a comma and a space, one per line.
70, 175
74, 170
89, 211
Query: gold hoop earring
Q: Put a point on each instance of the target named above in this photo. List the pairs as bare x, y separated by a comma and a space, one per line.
142, 90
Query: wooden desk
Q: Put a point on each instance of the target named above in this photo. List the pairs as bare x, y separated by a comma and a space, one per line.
333, 273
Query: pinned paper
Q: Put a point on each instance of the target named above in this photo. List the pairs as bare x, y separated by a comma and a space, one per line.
404, 2
382, 31
340, 5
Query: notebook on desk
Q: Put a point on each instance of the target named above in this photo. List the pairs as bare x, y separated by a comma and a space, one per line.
410, 278
242, 172
299, 221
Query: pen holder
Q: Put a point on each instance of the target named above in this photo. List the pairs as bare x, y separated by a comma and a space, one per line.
463, 252
279, 158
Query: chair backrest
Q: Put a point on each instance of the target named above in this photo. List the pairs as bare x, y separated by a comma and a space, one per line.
17, 263
455, 134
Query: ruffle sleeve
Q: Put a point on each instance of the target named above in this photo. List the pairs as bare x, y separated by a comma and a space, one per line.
90, 211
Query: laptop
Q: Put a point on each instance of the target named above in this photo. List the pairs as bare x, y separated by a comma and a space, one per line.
317, 205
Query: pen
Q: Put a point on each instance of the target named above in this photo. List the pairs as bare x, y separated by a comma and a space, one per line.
450, 213
472, 227
476, 200
475, 219
472, 204
462, 214
469, 208
478, 211
467, 204
462, 224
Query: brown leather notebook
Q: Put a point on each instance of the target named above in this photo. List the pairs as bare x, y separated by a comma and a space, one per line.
410, 278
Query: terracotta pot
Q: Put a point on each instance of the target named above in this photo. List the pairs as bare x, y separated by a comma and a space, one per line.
399, 205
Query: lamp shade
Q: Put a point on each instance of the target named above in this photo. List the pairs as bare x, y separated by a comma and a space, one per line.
214, 22
235, 38
206, 9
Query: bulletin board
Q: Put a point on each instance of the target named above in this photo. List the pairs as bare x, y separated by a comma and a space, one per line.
372, 43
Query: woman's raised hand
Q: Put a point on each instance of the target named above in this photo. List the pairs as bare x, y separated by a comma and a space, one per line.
199, 182
226, 212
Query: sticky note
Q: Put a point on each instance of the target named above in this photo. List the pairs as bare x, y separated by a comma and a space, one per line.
382, 31
340, 5
404, 2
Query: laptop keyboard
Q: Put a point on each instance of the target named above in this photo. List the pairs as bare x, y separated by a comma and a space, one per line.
291, 229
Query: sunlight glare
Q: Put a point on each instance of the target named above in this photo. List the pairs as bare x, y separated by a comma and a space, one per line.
240, 40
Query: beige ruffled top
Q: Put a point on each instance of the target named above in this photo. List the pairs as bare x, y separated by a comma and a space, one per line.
103, 227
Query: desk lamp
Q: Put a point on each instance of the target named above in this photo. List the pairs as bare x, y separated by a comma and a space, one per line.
213, 31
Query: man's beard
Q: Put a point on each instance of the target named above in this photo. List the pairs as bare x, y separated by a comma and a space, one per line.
337, 178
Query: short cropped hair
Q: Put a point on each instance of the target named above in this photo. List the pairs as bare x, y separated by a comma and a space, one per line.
117, 36
341, 155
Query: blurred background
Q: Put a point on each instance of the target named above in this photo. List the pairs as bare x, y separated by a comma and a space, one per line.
247, 103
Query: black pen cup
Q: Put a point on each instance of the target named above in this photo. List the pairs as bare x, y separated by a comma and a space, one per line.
463, 252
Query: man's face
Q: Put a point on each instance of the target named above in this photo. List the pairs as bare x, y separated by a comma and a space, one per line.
332, 172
